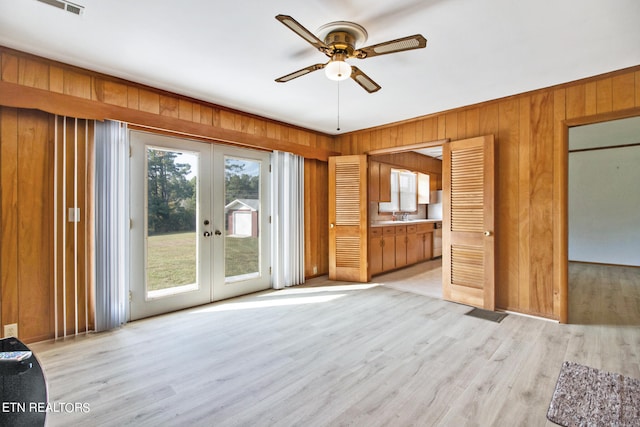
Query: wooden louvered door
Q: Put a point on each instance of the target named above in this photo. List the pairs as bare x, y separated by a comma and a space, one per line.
348, 219
468, 258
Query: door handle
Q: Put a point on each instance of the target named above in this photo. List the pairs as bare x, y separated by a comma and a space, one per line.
487, 233
207, 234
218, 232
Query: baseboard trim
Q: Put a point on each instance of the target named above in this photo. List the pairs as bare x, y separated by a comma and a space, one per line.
605, 264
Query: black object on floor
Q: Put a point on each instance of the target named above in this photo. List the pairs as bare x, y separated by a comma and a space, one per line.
493, 316
23, 390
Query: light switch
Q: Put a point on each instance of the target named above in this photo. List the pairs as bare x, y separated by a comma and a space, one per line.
74, 214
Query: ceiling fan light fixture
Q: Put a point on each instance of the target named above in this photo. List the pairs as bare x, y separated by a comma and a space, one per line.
338, 69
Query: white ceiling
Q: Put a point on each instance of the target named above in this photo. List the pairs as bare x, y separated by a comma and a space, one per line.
230, 52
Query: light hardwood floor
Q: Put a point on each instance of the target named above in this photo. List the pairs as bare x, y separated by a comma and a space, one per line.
332, 354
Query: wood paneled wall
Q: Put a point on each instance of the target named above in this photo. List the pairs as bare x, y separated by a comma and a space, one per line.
316, 187
416, 162
530, 131
29, 83
39, 268
26, 263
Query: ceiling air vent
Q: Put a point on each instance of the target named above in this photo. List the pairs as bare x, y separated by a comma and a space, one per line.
65, 5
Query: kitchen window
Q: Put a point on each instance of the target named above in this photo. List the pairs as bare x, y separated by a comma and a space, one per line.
403, 192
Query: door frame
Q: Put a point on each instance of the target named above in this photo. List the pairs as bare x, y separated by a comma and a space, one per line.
211, 182
561, 203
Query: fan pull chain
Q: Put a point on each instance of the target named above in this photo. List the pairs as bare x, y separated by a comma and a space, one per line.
338, 126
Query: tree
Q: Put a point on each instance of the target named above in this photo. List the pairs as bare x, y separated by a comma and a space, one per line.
170, 195
238, 183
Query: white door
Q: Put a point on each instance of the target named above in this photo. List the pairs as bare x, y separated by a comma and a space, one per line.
182, 253
241, 263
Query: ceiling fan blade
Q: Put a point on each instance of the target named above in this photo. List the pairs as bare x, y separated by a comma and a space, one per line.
416, 41
297, 28
300, 73
364, 81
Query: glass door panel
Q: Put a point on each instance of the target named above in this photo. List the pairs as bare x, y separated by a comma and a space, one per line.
170, 200
242, 213
241, 251
172, 240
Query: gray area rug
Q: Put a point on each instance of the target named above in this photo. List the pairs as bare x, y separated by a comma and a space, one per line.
586, 396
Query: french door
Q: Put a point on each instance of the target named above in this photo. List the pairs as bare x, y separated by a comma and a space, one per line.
199, 223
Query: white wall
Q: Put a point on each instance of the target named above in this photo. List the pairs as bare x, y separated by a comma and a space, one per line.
604, 202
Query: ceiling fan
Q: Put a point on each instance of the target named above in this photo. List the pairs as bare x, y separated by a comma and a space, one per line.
340, 40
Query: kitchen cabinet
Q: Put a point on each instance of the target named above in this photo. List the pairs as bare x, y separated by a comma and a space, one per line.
382, 249
413, 245
388, 248
401, 246
385, 182
374, 181
393, 205
375, 250
424, 237
424, 188
379, 182
396, 246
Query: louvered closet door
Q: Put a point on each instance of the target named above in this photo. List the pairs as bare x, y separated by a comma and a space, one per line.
468, 259
348, 218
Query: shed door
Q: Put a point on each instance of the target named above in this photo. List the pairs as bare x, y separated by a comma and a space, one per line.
242, 221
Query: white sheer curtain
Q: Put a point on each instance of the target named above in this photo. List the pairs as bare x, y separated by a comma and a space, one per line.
111, 223
287, 220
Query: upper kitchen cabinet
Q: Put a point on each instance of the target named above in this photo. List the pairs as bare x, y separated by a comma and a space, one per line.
424, 188
393, 205
379, 182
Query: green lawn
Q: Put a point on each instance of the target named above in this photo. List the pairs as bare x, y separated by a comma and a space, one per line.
241, 255
171, 258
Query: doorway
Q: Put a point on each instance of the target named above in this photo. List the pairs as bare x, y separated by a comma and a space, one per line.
603, 223
185, 245
424, 277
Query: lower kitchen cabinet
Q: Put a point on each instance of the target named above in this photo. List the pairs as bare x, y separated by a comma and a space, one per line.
388, 248
401, 246
375, 250
382, 249
413, 245
425, 236
396, 246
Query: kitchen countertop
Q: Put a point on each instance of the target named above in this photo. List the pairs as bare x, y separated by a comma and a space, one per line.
411, 221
